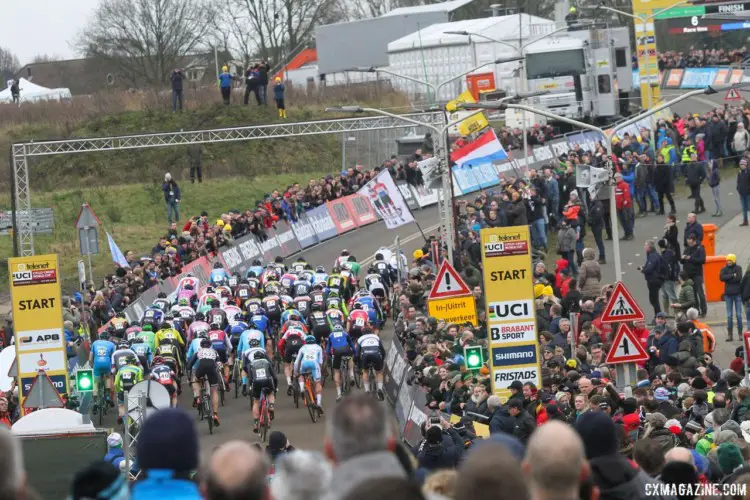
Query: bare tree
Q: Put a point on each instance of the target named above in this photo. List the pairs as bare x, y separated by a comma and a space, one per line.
148, 38
8, 61
45, 58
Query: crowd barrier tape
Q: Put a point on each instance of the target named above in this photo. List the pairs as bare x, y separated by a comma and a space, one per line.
696, 78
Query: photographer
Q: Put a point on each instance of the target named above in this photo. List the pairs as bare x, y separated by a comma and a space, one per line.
440, 447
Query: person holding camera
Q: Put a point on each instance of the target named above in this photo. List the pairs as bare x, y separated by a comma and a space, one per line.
440, 448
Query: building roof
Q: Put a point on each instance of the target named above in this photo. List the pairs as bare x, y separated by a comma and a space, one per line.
447, 7
504, 28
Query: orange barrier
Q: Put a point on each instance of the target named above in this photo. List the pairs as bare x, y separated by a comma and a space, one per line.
709, 239
711, 270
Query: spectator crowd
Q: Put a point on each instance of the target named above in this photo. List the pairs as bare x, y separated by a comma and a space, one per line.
698, 58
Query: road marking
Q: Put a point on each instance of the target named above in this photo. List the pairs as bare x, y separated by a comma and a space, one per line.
704, 101
407, 239
637, 255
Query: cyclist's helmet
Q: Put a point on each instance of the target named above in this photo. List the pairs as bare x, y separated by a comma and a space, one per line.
357, 305
205, 343
254, 343
251, 274
259, 355
217, 265
123, 344
338, 328
202, 334
147, 327
215, 303
279, 259
189, 275
333, 293
200, 317
320, 269
335, 270
319, 286
256, 262
308, 267
316, 307
371, 270
104, 335
188, 286
352, 258
158, 360
294, 316
226, 293
215, 326
184, 302
239, 317
310, 339
165, 326
344, 252
169, 317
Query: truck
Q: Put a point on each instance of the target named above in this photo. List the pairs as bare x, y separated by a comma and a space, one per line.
586, 73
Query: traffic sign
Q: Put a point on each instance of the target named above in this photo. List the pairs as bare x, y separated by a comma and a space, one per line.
626, 347
733, 95
457, 310
43, 394
621, 306
87, 218
448, 283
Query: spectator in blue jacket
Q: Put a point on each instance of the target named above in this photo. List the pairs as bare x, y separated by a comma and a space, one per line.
500, 420
655, 271
278, 95
225, 84
666, 344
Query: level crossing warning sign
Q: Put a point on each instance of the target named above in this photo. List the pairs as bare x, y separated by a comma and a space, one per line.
621, 306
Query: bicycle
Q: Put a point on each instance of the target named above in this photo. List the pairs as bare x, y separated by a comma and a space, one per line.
204, 407
345, 387
264, 417
237, 377
357, 375
309, 396
222, 388
100, 399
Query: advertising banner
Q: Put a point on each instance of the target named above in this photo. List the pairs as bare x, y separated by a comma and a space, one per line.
698, 78
342, 218
511, 315
321, 220
408, 194
387, 200
304, 231
430, 174
424, 197
36, 300
360, 208
238, 257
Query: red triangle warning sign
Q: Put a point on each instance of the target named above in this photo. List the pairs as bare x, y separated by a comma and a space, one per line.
733, 95
621, 306
448, 283
626, 348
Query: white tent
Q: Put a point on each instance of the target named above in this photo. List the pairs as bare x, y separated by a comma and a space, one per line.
32, 92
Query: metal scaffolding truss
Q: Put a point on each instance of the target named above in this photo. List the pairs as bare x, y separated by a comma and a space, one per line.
20, 153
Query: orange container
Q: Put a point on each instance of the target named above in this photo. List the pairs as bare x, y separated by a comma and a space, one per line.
709, 239
711, 270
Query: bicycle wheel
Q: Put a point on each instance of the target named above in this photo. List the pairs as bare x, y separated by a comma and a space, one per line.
263, 429
310, 397
237, 379
357, 377
209, 416
295, 393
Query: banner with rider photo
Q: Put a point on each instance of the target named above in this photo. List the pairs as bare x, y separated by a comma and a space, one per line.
387, 200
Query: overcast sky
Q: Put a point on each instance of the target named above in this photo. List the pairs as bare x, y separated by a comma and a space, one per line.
32, 27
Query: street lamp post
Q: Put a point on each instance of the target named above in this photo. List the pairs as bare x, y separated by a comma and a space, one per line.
644, 20
608, 135
519, 48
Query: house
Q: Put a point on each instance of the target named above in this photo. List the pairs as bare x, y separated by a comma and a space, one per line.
91, 75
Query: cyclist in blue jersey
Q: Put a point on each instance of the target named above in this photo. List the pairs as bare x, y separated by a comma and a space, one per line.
340, 344
256, 269
219, 275
101, 359
320, 276
292, 314
372, 307
261, 322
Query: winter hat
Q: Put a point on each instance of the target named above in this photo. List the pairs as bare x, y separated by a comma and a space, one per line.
434, 435
277, 441
657, 420
114, 440
701, 462
683, 389
168, 441
673, 422
745, 428
729, 457
598, 433
629, 405
661, 394
677, 473
99, 480
731, 425
724, 436
699, 383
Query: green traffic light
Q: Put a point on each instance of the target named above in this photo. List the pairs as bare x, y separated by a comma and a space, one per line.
85, 381
474, 361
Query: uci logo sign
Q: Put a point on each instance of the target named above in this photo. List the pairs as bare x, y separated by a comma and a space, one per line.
511, 310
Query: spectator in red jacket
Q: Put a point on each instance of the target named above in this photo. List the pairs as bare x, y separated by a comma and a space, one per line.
624, 204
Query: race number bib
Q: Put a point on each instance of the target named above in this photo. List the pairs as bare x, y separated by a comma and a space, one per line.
253, 308
217, 318
149, 314
101, 352
185, 314
302, 306
233, 282
243, 293
165, 377
310, 356
260, 373
335, 282
359, 322
271, 303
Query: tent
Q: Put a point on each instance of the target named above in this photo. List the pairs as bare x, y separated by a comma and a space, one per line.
32, 92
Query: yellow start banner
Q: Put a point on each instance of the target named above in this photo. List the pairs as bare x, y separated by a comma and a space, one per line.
37, 320
457, 310
511, 315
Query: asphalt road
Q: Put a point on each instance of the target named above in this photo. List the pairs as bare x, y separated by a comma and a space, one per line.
296, 424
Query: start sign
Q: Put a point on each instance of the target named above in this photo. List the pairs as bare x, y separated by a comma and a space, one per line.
458, 310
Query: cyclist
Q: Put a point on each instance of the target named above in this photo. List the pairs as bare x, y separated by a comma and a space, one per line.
161, 302
172, 357
235, 332
163, 373
143, 350
256, 269
167, 332
351, 269
187, 292
118, 325
252, 306
339, 346
152, 316
317, 322
369, 304
216, 315
101, 359
382, 266
253, 346
320, 276
370, 352
344, 257
262, 378
299, 265
377, 283
358, 321
127, 376
221, 344
278, 264
184, 312
336, 282
244, 292
310, 360
218, 275
123, 355
287, 282
233, 281
306, 275
198, 325
261, 322
290, 314
204, 360
131, 333
289, 345
302, 304
234, 315
335, 319
335, 301
302, 287
272, 306
319, 295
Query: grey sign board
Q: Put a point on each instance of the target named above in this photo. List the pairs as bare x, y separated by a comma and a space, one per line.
344, 46
42, 220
